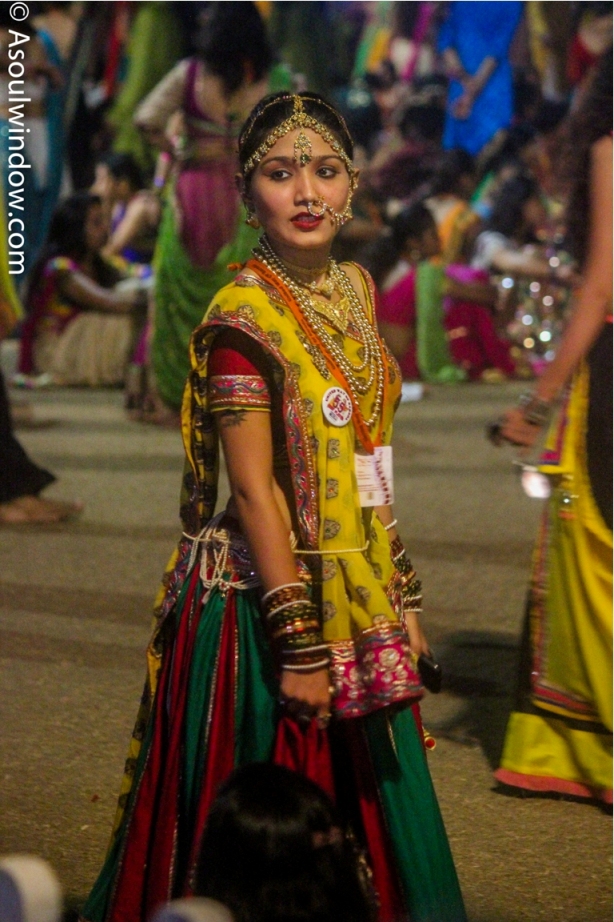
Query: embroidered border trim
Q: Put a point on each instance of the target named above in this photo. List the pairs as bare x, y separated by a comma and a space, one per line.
373, 670
230, 392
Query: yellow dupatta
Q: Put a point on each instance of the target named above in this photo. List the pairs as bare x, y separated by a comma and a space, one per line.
572, 578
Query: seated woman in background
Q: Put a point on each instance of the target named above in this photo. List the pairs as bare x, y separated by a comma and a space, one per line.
451, 189
507, 244
435, 319
81, 326
133, 211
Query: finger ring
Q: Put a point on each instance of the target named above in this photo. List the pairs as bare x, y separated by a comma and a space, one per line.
323, 721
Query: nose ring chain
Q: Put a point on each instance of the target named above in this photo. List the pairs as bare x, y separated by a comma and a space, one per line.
338, 218
317, 203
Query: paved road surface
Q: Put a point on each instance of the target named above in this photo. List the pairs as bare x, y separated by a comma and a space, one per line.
74, 620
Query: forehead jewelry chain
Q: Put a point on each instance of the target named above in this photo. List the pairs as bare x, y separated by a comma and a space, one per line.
299, 119
302, 149
372, 358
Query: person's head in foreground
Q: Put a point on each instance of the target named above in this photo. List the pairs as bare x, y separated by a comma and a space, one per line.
273, 852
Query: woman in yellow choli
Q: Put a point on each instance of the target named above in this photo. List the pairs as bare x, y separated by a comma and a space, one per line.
563, 741
559, 736
287, 627
358, 587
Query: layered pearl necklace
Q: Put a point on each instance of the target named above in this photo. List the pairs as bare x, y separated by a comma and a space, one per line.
335, 312
349, 306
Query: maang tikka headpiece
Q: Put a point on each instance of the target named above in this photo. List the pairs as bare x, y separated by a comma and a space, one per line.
302, 146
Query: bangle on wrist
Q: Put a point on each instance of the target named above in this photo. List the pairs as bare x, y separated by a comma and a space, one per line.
287, 592
535, 410
294, 630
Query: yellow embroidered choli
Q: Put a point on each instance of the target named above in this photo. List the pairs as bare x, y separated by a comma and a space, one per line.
353, 579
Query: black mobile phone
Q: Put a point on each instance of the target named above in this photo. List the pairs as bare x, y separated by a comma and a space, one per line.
493, 433
431, 673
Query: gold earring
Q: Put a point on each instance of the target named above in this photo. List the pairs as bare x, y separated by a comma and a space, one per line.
250, 218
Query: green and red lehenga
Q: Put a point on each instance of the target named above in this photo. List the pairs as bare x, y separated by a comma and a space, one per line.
211, 696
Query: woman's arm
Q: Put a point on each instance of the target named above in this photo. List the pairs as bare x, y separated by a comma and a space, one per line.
156, 109
248, 449
473, 86
480, 292
593, 301
142, 214
88, 295
417, 640
522, 262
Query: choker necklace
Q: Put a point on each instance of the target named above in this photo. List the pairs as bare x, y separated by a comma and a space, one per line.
308, 278
336, 313
371, 361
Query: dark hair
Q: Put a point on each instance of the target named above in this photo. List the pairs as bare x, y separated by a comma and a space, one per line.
592, 121
382, 255
549, 116
272, 851
276, 108
507, 212
506, 148
424, 122
405, 18
124, 166
233, 36
66, 237
453, 165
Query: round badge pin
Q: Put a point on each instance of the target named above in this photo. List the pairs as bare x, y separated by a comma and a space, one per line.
337, 406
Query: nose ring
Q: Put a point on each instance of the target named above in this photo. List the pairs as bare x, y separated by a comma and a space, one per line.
317, 203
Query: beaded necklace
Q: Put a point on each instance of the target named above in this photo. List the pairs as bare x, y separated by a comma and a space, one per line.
336, 312
372, 359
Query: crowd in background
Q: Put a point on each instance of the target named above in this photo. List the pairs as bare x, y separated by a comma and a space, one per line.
459, 111
461, 115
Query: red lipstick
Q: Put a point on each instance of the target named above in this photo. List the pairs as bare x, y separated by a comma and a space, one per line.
305, 221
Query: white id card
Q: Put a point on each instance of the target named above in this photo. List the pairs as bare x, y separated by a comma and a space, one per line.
374, 477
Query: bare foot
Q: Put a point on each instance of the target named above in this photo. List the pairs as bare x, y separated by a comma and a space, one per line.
34, 510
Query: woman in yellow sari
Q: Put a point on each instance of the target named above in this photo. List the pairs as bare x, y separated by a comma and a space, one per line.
559, 737
288, 624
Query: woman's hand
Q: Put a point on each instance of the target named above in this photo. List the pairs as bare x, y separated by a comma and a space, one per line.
515, 429
463, 106
306, 694
417, 641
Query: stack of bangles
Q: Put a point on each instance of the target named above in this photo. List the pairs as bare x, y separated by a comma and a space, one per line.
411, 587
294, 629
535, 410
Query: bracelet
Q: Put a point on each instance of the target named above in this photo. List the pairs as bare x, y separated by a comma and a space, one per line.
271, 592
411, 586
295, 633
307, 667
274, 612
535, 410
392, 525
400, 558
302, 610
